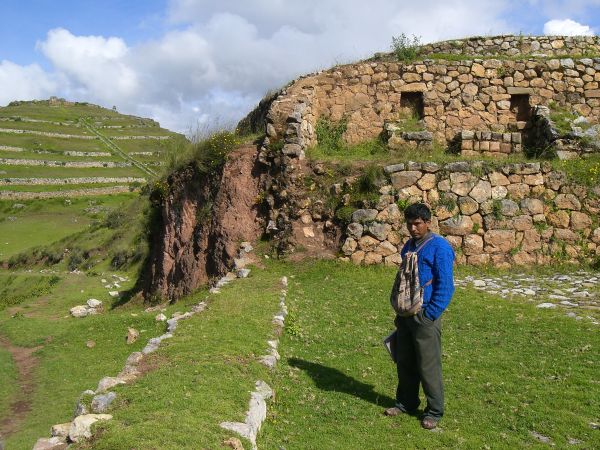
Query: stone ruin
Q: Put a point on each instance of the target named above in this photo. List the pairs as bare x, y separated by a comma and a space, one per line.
494, 100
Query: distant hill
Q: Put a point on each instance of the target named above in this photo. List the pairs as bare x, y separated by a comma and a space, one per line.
53, 145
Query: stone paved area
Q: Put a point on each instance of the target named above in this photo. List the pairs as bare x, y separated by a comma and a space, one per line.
578, 292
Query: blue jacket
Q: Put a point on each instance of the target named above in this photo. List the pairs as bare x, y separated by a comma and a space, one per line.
436, 261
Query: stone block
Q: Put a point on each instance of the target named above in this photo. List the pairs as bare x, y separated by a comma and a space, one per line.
405, 179
372, 258
357, 257
499, 241
472, 244
467, 205
457, 226
349, 246
567, 201
364, 215
481, 192
580, 221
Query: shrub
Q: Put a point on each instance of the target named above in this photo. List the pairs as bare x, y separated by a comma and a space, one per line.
210, 153
371, 179
344, 214
114, 219
405, 48
329, 134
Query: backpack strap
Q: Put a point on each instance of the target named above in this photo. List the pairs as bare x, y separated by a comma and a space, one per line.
422, 244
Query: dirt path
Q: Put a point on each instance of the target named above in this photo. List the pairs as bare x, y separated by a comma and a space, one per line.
21, 402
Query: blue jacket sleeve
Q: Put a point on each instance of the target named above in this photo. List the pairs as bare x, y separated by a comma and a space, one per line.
443, 281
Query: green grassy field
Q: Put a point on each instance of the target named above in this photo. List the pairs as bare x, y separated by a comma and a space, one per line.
43, 222
7, 171
55, 155
510, 369
51, 143
56, 187
78, 119
45, 127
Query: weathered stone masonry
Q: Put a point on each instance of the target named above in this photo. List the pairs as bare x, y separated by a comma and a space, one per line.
514, 214
477, 95
509, 215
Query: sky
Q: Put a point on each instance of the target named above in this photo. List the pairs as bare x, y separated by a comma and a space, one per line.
196, 65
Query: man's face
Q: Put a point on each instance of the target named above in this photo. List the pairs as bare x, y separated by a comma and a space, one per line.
418, 227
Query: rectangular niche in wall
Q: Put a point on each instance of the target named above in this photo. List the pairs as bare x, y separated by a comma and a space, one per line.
520, 107
411, 104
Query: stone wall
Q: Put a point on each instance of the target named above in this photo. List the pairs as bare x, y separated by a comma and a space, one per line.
518, 45
513, 214
487, 143
477, 95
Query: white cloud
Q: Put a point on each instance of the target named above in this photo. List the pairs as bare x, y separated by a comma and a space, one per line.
95, 66
24, 82
219, 58
566, 27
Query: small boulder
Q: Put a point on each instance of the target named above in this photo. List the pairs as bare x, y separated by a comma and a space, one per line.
81, 426
93, 303
234, 443
243, 273
101, 403
53, 443
80, 311
60, 430
132, 335
160, 317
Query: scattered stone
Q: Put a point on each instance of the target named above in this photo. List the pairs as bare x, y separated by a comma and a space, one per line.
568, 303
60, 430
80, 311
53, 443
93, 303
546, 306
541, 438
234, 443
81, 426
243, 273
107, 383
101, 403
114, 294
90, 344
132, 335
160, 317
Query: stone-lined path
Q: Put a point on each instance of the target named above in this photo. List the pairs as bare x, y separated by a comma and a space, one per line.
578, 291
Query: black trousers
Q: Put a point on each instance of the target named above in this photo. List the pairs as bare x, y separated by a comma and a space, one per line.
419, 362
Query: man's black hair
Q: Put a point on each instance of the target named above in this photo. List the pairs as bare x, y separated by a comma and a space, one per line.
417, 211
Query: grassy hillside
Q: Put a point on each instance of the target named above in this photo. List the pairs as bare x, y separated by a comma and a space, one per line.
59, 139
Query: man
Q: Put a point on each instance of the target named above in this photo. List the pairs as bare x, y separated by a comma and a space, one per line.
418, 345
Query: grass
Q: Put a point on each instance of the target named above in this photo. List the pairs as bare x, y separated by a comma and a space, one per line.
44, 222
66, 366
58, 187
215, 357
17, 288
7, 171
509, 369
44, 127
55, 155
8, 387
51, 143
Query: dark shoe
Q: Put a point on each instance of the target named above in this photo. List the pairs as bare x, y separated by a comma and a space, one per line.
429, 423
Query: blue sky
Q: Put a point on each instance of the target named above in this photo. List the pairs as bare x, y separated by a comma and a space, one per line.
203, 63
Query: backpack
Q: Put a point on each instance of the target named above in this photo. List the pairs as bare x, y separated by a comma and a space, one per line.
407, 294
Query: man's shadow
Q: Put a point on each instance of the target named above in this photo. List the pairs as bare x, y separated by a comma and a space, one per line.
329, 379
